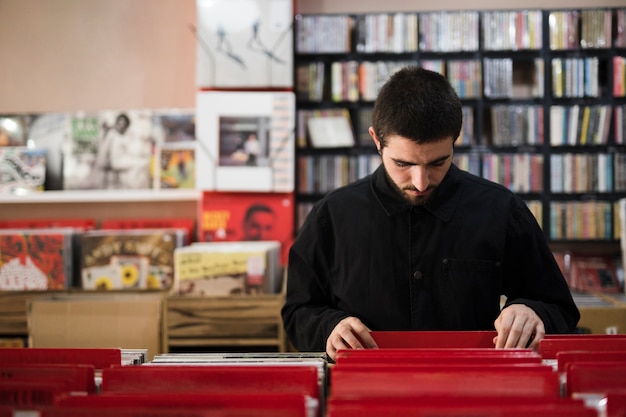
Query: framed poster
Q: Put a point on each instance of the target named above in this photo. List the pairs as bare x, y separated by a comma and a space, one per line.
245, 141
244, 43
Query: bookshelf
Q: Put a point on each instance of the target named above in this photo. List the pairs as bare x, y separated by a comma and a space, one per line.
543, 96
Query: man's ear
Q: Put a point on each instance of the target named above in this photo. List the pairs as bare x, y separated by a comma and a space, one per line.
375, 138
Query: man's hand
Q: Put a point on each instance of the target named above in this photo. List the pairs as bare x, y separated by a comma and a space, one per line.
518, 326
349, 333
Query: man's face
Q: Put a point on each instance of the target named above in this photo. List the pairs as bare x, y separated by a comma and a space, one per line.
416, 170
259, 226
121, 125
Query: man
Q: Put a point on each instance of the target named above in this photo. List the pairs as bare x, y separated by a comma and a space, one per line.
420, 244
123, 157
259, 222
252, 148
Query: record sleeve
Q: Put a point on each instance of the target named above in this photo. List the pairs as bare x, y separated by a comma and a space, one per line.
228, 268
174, 132
129, 259
49, 131
13, 130
247, 217
174, 125
79, 151
244, 43
35, 259
246, 141
185, 224
331, 131
177, 165
594, 273
22, 169
49, 223
621, 220
109, 150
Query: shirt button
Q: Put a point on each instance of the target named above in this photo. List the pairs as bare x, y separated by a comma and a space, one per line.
417, 275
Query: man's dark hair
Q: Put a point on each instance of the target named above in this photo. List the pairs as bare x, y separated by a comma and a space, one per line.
256, 208
419, 105
125, 117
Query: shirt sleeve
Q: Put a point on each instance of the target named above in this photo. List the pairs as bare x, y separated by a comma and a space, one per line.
532, 275
308, 315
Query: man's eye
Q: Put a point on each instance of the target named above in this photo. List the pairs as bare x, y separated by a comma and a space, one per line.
402, 164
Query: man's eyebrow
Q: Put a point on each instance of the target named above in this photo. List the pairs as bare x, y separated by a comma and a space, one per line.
440, 159
433, 162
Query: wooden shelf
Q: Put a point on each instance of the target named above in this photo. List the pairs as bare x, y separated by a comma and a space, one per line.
101, 196
187, 321
225, 321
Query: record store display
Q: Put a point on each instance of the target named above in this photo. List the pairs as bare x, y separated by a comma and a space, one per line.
129, 259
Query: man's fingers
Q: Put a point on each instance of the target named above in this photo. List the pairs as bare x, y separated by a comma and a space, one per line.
518, 326
503, 326
349, 333
333, 344
351, 341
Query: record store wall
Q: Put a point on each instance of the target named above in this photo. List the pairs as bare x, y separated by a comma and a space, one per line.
60, 55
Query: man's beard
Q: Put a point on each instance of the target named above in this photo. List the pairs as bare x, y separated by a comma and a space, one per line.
413, 200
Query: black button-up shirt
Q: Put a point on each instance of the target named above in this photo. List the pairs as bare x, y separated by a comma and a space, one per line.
364, 251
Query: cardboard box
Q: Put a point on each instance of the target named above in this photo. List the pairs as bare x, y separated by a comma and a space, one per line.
601, 320
127, 321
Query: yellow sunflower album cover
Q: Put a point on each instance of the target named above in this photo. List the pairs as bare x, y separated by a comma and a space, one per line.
138, 259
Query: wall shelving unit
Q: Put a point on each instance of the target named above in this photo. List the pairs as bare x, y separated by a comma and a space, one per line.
542, 92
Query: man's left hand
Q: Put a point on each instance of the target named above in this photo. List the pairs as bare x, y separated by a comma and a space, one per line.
518, 326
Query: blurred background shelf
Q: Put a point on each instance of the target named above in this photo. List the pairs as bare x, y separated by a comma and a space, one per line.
105, 196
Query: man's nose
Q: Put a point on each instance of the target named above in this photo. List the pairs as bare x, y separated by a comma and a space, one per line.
419, 177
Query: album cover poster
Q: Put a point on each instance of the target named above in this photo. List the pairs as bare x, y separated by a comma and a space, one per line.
244, 43
22, 169
176, 164
174, 125
245, 141
594, 273
234, 216
129, 259
79, 151
174, 133
13, 130
227, 268
110, 149
50, 131
37, 259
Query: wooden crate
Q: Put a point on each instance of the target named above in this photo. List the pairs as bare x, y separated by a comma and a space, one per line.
225, 321
13, 305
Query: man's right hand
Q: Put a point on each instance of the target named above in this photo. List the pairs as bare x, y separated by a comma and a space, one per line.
349, 333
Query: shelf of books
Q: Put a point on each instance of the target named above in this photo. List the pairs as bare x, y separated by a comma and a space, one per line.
543, 100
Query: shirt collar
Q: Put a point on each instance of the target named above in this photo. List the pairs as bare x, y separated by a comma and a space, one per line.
442, 204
